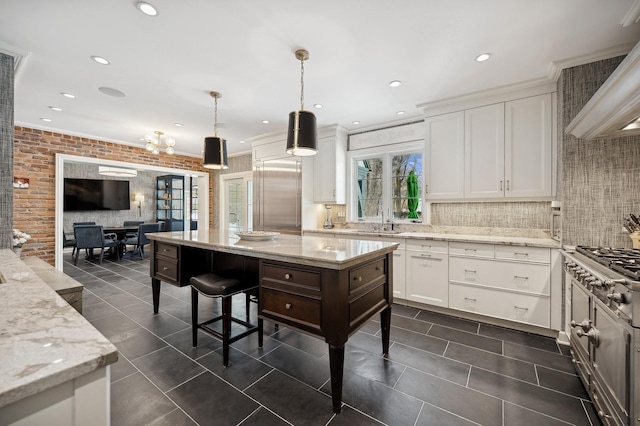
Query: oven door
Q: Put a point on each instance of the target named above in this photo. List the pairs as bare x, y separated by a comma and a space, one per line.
611, 364
580, 346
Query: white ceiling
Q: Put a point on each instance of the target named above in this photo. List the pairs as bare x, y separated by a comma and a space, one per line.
167, 65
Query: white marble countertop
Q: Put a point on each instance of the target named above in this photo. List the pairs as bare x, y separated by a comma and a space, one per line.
533, 238
326, 252
43, 340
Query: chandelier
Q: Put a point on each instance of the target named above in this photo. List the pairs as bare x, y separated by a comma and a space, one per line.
157, 142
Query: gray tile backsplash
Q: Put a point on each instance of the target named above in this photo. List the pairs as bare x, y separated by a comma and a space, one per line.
523, 215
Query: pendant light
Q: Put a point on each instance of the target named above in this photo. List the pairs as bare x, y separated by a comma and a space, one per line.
215, 148
302, 138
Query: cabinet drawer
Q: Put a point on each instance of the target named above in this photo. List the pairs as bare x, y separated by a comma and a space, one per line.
299, 309
471, 249
530, 254
364, 275
526, 277
167, 250
428, 246
292, 276
167, 269
523, 308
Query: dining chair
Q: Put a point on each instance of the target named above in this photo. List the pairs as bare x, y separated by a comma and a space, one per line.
90, 237
68, 242
131, 223
141, 240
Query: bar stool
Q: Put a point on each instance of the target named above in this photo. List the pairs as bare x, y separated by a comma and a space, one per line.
213, 286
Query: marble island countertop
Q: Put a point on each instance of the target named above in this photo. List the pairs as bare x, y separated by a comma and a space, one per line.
326, 252
506, 236
43, 340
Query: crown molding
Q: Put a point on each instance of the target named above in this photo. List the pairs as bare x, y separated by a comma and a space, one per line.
614, 105
19, 56
632, 16
556, 67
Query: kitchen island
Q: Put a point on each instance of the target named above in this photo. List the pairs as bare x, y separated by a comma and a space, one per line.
323, 286
55, 364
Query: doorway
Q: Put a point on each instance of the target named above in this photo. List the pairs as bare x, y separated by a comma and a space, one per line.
236, 191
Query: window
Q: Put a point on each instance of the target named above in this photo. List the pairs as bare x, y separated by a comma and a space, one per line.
386, 184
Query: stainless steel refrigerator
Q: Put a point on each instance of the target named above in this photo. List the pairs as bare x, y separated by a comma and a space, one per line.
277, 195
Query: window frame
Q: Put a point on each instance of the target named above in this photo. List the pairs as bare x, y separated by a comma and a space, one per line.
386, 153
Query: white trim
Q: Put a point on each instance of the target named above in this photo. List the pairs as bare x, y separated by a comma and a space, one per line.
62, 159
632, 16
19, 57
245, 176
556, 67
487, 97
614, 105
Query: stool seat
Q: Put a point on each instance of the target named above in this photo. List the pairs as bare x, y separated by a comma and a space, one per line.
212, 284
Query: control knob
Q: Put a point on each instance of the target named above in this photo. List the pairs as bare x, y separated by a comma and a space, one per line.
584, 325
617, 297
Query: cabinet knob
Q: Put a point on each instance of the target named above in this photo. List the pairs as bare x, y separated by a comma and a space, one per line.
500, 185
288, 306
378, 268
164, 268
359, 279
287, 276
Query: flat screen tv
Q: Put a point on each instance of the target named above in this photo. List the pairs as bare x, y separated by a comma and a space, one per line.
96, 194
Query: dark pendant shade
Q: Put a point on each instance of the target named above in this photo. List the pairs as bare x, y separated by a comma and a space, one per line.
302, 138
215, 153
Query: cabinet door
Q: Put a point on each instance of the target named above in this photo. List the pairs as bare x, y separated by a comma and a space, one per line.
484, 151
427, 277
445, 156
399, 275
528, 144
329, 170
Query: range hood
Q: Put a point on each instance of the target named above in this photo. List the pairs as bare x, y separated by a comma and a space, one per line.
615, 105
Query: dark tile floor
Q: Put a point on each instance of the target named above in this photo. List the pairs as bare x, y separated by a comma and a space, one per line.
441, 370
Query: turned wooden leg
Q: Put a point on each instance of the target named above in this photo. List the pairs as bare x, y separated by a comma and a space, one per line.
385, 321
155, 288
336, 363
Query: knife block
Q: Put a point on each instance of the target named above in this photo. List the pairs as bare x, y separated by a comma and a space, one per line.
635, 238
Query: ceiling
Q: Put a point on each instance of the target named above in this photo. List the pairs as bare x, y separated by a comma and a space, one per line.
167, 65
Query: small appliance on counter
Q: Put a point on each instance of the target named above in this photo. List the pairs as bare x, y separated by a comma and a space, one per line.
327, 223
556, 221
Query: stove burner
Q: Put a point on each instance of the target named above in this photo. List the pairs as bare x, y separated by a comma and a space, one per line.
625, 261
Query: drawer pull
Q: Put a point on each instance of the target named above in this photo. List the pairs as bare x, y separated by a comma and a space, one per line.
470, 271
518, 308
288, 306
378, 268
359, 279
520, 278
525, 255
468, 250
469, 299
424, 255
287, 277
165, 268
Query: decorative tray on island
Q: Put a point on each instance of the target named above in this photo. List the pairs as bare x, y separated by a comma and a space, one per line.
257, 235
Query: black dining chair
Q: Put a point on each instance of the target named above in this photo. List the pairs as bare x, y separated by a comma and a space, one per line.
141, 240
68, 242
90, 237
129, 224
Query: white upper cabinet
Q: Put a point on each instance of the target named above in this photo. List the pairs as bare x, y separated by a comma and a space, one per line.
484, 151
444, 177
329, 169
528, 146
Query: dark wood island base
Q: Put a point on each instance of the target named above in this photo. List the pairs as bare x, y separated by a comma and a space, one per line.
306, 289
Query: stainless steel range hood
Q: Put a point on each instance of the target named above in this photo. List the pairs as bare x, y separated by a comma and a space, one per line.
614, 105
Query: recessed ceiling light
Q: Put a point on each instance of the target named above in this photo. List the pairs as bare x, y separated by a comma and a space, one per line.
241, 141
355, 122
395, 83
111, 92
265, 121
147, 8
400, 113
68, 95
48, 120
55, 108
483, 57
319, 106
178, 124
100, 60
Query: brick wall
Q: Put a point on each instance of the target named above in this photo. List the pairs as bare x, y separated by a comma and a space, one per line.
34, 158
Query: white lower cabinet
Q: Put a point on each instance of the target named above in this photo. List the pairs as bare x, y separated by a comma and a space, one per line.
399, 273
427, 272
514, 285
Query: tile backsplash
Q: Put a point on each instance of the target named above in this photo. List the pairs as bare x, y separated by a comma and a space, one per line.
523, 215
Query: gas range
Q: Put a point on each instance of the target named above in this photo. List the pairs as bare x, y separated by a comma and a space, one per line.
624, 261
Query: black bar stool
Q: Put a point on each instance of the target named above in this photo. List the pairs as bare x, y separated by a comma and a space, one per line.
213, 285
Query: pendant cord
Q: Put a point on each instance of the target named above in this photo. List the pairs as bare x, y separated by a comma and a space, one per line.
215, 119
302, 85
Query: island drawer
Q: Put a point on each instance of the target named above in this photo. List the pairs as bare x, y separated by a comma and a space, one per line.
167, 269
292, 276
167, 250
366, 274
281, 305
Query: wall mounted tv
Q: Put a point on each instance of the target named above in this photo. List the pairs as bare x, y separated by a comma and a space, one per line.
96, 194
